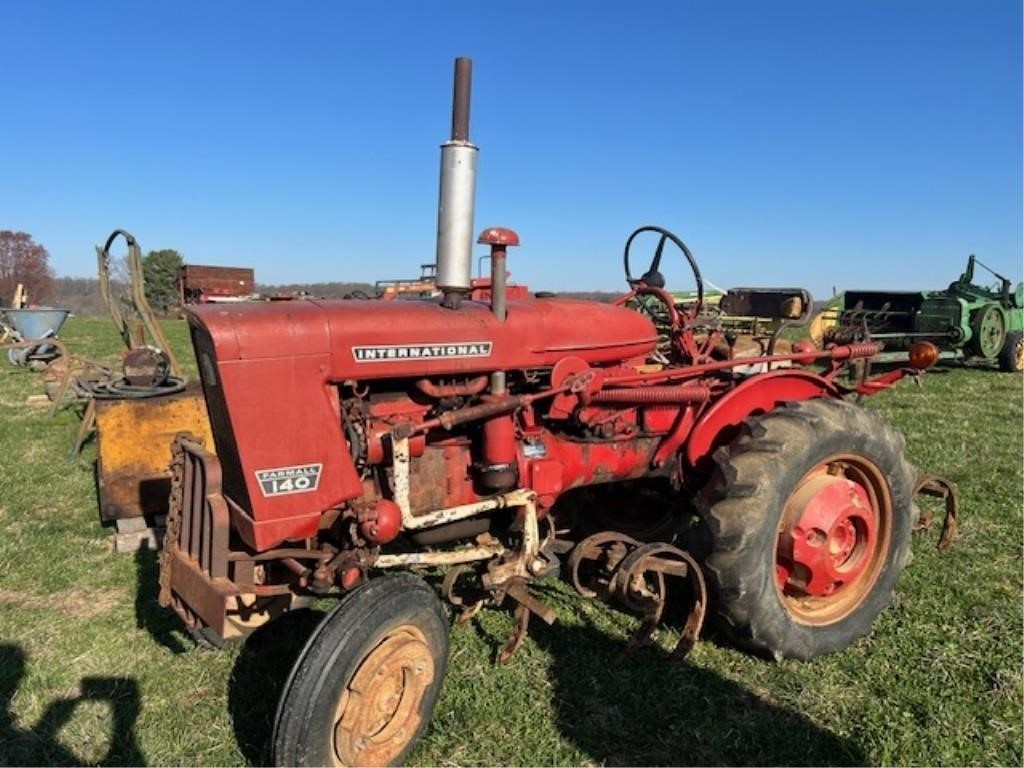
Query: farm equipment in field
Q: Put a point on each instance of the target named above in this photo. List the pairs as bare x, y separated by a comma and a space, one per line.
137, 410
135, 407
30, 334
199, 284
501, 438
964, 320
424, 286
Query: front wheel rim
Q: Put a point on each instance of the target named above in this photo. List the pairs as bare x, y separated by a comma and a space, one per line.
379, 712
833, 537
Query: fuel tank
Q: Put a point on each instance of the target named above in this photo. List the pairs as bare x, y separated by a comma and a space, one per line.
270, 371
390, 339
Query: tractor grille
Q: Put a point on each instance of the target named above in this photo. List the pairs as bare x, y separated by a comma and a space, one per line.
195, 551
203, 532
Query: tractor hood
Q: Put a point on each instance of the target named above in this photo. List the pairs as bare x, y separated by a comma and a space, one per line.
392, 339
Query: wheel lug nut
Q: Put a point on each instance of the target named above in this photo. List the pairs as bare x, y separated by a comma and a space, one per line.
816, 537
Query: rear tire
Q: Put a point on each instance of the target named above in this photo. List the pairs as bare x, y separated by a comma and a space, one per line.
1011, 356
810, 511
989, 332
365, 685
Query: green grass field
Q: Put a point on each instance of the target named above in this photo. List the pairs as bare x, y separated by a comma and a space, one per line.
92, 671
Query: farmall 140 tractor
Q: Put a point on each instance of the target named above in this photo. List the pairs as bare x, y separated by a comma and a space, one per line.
359, 443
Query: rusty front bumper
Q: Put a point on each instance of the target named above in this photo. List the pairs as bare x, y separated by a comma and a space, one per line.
194, 564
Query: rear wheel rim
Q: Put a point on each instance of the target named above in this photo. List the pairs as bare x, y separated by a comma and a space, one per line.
833, 538
990, 332
379, 712
1018, 354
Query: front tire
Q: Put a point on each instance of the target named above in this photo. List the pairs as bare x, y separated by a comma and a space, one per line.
1011, 356
365, 685
810, 511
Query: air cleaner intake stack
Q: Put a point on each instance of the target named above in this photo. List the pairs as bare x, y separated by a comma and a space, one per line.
457, 196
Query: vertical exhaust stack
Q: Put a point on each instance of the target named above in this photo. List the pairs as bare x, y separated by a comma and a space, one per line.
456, 201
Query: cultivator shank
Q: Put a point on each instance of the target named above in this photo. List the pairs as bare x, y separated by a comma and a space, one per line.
939, 487
615, 567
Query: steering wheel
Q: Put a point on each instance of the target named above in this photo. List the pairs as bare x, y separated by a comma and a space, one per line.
652, 281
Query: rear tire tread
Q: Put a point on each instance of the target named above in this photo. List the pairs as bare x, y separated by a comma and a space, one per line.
737, 519
1008, 360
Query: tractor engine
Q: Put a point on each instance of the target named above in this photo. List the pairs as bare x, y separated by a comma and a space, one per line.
308, 425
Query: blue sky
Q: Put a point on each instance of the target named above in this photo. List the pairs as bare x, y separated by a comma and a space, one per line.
820, 144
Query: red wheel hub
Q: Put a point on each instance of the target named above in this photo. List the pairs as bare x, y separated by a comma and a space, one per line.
830, 533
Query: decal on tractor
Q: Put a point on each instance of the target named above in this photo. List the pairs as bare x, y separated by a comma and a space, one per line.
385, 352
284, 480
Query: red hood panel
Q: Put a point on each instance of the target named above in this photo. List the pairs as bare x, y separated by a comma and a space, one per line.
370, 339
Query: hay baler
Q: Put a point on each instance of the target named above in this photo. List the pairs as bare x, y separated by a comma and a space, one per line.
965, 320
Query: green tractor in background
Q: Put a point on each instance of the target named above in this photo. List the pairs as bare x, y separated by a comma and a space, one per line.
963, 321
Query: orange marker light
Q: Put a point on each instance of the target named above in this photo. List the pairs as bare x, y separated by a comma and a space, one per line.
923, 355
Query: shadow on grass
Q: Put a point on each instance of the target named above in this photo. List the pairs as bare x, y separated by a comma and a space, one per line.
39, 745
259, 673
619, 709
162, 624
258, 678
641, 709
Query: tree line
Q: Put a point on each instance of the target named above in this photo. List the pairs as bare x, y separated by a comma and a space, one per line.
24, 261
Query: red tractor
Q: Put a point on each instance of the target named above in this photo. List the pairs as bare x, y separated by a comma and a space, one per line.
500, 438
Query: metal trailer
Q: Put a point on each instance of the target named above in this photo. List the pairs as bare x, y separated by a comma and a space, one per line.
198, 284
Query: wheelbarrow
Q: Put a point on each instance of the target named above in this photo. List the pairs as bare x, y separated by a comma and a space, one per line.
28, 331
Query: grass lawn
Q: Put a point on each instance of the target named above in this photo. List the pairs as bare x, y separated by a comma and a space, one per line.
92, 671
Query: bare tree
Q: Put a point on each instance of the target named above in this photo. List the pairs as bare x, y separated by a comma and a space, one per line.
22, 260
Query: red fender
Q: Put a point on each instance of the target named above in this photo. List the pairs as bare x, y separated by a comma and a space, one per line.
758, 394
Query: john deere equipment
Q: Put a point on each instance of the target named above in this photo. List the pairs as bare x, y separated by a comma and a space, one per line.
965, 320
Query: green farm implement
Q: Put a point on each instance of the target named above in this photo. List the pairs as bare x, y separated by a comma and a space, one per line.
965, 320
